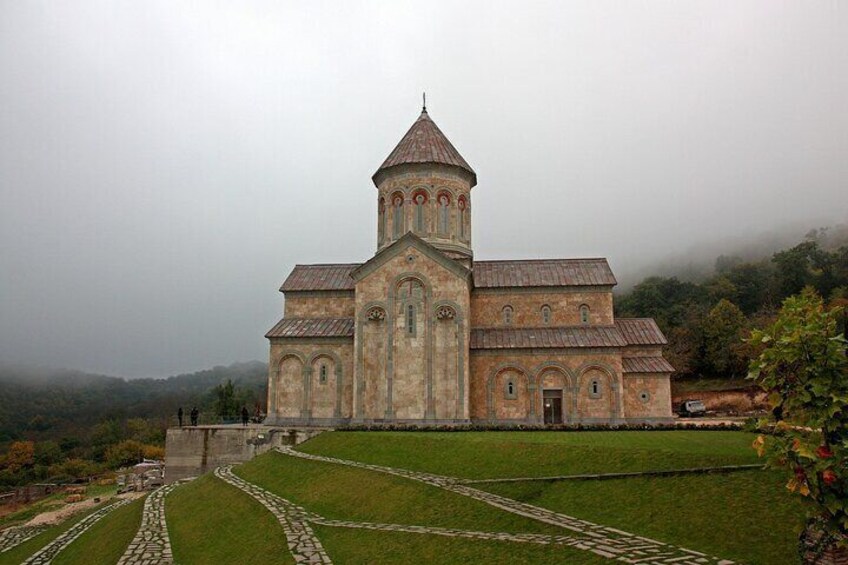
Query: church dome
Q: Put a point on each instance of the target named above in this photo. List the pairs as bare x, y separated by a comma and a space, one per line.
425, 143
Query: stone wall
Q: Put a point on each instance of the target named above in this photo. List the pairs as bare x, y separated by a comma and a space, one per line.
487, 307
430, 182
647, 396
297, 392
418, 372
569, 371
327, 304
191, 451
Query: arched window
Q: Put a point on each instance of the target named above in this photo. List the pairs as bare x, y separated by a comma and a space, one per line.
584, 314
507, 315
410, 319
323, 375
546, 314
397, 215
595, 388
509, 389
420, 201
444, 213
463, 223
381, 220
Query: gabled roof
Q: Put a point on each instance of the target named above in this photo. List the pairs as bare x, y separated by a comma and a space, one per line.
399, 246
543, 272
425, 143
312, 327
646, 365
320, 277
640, 331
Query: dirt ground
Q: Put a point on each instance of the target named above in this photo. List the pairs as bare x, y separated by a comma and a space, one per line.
58, 515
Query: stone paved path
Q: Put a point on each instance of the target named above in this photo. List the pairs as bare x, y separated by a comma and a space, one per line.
607, 541
46, 554
303, 544
151, 543
286, 512
16, 535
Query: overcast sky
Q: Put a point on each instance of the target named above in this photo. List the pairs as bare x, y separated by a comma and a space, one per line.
163, 165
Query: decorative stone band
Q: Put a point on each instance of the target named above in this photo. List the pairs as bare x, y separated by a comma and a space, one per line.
46, 554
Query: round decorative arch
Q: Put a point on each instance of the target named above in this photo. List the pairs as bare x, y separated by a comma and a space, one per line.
609, 375
339, 375
491, 389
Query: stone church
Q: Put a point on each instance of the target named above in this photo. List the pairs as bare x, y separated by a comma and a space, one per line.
422, 333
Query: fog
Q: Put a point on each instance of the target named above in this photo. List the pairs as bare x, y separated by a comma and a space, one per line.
163, 165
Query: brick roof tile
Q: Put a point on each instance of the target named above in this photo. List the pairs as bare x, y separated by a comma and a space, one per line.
312, 327
543, 273
640, 331
561, 337
320, 277
646, 365
425, 143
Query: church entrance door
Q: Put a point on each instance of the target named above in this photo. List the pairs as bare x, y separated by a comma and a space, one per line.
552, 399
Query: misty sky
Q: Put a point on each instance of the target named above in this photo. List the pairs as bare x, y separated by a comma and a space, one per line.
163, 165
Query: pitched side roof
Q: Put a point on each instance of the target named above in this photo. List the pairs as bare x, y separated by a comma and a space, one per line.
425, 143
646, 365
543, 272
320, 277
312, 327
640, 331
524, 338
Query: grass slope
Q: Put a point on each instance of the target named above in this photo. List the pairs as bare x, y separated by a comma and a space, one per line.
346, 493
105, 541
360, 546
747, 516
25, 550
536, 454
212, 522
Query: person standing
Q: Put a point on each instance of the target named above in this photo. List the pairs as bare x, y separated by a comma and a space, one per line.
244, 416
180, 415
194, 414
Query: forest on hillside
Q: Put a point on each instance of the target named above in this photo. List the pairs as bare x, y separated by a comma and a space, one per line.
707, 321
58, 424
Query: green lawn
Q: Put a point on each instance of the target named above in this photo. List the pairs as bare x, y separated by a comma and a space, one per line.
25, 550
747, 516
536, 454
346, 493
106, 541
212, 522
361, 546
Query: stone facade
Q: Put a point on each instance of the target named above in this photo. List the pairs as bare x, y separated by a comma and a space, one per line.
423, 333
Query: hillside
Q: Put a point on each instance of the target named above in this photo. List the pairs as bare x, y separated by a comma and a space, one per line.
368, 497
49, 404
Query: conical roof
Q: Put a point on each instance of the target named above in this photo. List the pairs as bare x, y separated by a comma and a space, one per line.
425, 143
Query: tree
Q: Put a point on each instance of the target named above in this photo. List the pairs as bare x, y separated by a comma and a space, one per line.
225, 400
804, 368
722, 338
20, 456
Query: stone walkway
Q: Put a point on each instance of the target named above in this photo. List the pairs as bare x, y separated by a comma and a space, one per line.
303, 544
151, 544
16, 535
46, 554
604, 540
288, 513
